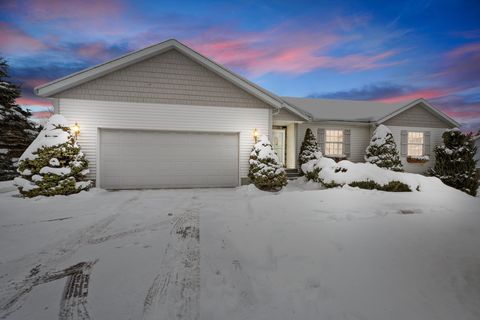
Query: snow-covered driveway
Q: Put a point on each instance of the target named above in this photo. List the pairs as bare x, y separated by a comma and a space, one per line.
298, 254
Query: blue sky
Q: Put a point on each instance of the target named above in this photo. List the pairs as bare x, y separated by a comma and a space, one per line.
368, 50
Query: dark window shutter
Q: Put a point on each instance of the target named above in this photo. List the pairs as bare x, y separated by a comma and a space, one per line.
426, 143
321, 140
346, 142
403, 143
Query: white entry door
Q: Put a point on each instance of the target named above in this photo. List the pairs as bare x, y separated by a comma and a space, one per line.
133, 159
278, 144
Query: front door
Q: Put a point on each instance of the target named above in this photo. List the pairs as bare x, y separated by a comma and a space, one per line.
279, 144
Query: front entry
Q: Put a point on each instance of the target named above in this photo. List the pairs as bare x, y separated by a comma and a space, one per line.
278, 144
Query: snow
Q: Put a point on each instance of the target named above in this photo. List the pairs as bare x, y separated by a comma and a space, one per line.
346, 172
50, 136
58, 171
3, 151
24, 184
54, 162
302, 253
379, 135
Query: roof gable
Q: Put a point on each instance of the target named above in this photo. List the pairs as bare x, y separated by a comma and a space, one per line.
422, 113
89, 74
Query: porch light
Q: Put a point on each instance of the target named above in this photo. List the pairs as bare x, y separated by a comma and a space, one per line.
75, 129
255, 134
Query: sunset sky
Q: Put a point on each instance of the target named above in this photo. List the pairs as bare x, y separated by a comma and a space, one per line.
365, 50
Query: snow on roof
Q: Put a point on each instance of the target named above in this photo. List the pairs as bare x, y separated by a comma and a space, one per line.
344, 110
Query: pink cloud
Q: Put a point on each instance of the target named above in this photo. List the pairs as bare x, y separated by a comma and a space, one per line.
15, 41
470, 48
25, 101
284, 50
42, 114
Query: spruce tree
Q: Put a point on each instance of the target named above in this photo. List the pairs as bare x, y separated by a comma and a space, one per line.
265, 171
16, 130
455, 162
308, 149
382, 150
53, 164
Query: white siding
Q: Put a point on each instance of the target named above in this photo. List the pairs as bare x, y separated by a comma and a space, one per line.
435, 139
92, 115
291, 146
359, 135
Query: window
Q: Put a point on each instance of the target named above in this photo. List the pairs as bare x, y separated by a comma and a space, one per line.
415, 144
334, 143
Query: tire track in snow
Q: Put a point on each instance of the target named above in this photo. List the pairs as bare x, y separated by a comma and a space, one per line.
49, 258
174, 293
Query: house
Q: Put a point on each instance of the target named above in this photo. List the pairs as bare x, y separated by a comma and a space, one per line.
167, 117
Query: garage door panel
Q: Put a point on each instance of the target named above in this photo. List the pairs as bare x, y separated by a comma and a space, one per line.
157, 159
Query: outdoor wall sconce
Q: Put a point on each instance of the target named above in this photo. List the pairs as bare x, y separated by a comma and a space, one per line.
255, 135
75, 129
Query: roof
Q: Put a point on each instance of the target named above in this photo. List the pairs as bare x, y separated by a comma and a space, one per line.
51, 88
358, 111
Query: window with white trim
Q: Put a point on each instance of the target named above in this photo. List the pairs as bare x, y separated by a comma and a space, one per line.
415, 144
334, 143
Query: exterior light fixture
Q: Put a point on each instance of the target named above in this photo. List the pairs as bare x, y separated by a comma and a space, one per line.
255, 135
75, 129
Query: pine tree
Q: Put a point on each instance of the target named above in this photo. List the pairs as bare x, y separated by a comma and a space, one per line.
308, 149
265, 169
16, 130
53, 164
455, 162
382, 150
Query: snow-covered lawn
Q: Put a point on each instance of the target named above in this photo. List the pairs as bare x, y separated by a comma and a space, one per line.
301, 253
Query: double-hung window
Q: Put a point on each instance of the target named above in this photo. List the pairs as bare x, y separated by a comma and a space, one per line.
334, 143
415, 144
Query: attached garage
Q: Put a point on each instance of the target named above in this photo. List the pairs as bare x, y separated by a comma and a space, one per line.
131, 159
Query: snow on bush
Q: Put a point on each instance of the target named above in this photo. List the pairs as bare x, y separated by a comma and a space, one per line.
53, 164
364, 175
265, 171
308, 149
455, 161
382, 150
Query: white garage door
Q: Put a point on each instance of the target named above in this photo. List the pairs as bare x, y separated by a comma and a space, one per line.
131, 159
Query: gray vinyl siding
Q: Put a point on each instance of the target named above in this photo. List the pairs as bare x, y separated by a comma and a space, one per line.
285, 115
417, 116
168, 78
359, 137
435, 139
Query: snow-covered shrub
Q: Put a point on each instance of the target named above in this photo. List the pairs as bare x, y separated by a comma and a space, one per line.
265, 169
53, 164
363, 175
308, 149
455, 161
17, 131
382, 150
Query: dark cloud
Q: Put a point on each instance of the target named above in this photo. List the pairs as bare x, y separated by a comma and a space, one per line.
367, 92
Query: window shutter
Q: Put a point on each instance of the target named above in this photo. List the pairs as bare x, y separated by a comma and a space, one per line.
403, 143
346, 142
321, 140
426, 143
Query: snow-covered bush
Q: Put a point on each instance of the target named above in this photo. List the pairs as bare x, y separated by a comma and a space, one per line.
382, 150
363, 175
53, 164
265, 169
308, 149
17, 131
455, 161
